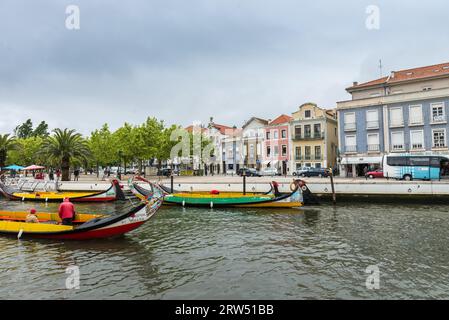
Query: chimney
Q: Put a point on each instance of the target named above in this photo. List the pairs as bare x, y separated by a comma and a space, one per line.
355, 83
392, 74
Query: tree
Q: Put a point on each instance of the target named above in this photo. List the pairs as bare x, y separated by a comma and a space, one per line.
7, 143
27, 152
66, 146
41, 130
25, 130
102, 146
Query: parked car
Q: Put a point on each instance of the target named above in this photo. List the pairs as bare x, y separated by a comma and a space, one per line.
249, 172
300, 171
270, 172
164, 172
316, 172
375, 174
131, 171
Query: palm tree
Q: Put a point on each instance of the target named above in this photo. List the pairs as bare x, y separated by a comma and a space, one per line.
6, 143
65, 146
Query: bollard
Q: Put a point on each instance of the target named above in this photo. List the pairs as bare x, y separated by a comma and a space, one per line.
171, 183
244, 183
334, 198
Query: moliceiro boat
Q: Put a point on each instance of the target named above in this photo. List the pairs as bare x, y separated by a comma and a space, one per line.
114, 192
99, 227
231, 199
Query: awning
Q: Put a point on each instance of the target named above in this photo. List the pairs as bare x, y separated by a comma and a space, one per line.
13, 167
34, 167
360, 160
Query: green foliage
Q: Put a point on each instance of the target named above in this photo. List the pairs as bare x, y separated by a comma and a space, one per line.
27, 152
7, 143
25, 130
102, 146
65, 146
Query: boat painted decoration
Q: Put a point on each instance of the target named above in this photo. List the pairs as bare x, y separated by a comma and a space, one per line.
107, 226
114, 192
231, 199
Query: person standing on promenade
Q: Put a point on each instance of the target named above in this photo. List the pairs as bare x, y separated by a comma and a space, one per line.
77, 174
67, 212
51, 175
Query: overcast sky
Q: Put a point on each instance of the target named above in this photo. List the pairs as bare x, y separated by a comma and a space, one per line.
184, 61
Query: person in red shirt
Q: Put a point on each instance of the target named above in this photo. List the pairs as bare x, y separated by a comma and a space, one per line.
67, 212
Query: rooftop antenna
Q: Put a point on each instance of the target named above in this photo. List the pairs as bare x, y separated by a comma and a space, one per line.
380, 67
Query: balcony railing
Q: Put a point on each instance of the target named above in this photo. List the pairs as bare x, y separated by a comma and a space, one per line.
351, 148
309, 136
309, 157
437, 119
397, 147
372, 124
373, 147
417, 146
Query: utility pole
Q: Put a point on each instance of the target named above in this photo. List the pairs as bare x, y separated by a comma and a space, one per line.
380, 67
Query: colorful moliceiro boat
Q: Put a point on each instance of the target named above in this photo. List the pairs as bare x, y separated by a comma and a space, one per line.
231, 199
114, 192
100, 227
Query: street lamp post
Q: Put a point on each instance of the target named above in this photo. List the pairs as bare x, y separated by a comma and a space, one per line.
119, 173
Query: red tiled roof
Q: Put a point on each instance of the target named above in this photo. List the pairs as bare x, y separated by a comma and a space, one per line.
221, 128
190, 129
432, 71
283, 118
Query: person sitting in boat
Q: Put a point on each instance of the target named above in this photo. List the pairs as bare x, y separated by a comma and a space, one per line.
32, 217
67, 212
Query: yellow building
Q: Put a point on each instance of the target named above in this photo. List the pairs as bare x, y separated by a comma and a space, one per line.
314, 137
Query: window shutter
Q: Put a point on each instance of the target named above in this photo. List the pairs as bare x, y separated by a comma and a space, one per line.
349, 117
372, 115
415, 114
396, 116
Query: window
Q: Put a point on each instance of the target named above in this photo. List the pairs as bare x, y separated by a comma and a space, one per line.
438, 112
298, 153
335, 130
268, 151
350, 143
416, 139
268, 135
372, 119
317, 152
251, 151
284, 134
397, 161
397, 140
373, 142
317, 130
396, 117
307, 131
307, 114
284, 150
276, 150
317, 165
419, 161
439, 138
275, 135
297, 132
307, 151
415, 115
350, 121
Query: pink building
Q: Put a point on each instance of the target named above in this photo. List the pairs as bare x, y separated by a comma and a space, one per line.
277, 144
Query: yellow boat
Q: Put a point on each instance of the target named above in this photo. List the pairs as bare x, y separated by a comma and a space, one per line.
20, 216
114, 192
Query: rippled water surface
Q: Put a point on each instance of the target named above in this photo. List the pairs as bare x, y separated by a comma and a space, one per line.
314, 253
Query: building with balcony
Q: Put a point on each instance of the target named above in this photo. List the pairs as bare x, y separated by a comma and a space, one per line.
405, 112
253, 136
277, 144
314, 141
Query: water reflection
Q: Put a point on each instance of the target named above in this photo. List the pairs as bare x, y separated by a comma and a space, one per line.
313, 252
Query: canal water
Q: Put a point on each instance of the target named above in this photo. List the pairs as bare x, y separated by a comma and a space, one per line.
320, 252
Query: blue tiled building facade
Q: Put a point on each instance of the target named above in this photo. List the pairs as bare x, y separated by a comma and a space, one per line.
406, 112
